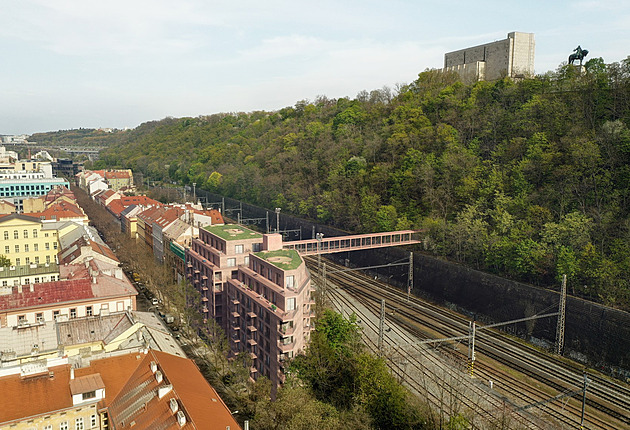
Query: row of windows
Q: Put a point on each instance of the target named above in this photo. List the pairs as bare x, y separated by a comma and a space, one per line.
16, 234
18, 261
39, 317
27, 247
16, 282
79, 424
25, 188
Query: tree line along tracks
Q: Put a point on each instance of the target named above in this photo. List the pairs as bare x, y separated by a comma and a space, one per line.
519, 370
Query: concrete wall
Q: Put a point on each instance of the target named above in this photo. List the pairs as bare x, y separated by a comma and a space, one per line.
512, 57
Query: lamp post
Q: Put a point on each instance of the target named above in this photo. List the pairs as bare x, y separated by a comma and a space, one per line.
194, 192
319, 237
278, 220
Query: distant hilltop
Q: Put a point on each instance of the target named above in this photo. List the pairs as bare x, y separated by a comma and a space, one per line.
513, 57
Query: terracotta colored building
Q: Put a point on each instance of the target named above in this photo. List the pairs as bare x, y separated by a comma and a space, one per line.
260, 294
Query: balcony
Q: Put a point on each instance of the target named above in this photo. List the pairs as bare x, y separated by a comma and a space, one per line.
251, 342
235, 302
286, 330
286, 347
253, 356
236, 327
251, 328
251, 315
235, 314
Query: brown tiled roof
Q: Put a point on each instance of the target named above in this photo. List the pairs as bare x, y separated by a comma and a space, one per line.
59, 210
116, 174
87, 383
115, 207
47, 293
44, 394
200, 403
139, 200
103, 250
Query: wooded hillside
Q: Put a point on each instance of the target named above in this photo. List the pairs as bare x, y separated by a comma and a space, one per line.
526, 179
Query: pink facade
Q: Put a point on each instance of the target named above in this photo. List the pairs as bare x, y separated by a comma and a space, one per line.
262, 298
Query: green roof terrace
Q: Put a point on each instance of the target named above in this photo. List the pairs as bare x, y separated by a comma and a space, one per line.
232, 232
285, 259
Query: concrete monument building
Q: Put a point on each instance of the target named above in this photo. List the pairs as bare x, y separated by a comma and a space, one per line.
512, 57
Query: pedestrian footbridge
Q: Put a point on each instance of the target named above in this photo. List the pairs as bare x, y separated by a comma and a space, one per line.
328, 245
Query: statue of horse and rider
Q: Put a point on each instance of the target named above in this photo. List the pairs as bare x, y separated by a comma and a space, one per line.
579, 54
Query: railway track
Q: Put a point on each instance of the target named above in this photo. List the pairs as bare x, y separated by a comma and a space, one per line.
542, 376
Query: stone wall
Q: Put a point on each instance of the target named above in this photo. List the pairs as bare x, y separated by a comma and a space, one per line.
512, 57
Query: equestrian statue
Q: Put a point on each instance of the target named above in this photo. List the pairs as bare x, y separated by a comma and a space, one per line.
579, 54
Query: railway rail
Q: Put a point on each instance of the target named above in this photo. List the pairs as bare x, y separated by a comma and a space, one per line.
542, 375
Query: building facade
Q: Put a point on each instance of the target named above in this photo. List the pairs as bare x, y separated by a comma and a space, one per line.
258, 293
511, 57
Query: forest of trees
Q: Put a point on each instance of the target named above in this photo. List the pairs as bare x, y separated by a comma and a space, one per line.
527, 179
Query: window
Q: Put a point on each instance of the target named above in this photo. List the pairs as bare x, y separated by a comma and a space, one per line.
21, 319
37, 279
36, 247
27, 280
45, 234
93, 421
288, 281
291, 304
48, 259
78, 423
89, 395
28, 260
25, 233
39, 317
55, 315
48, 427
17, 249
54, 245
247, 260
17, 261
231, 262
16, 235
47, 246
88, 311
6, 235
36, 260
5, 283
238, 249
35, 233
6, 249
26, 247
73, 313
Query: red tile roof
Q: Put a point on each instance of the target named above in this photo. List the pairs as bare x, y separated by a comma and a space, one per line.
139, 200
46, 293
61, 209
115, 174
129, 382
116, 207
200, 403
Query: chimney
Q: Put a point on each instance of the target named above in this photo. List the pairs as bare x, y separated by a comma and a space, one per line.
153, 367
181, 418
159, 377
72, 373
173, 404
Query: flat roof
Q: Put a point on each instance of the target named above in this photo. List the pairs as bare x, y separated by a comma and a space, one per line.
285, 259
232, 232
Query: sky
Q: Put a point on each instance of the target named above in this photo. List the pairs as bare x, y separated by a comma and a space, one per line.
68, 64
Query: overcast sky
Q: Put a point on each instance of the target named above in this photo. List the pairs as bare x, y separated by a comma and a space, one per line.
69, 64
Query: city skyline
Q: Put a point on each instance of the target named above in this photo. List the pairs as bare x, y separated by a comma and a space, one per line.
69, 64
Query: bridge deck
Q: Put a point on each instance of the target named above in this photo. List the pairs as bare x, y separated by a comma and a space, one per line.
353, 243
